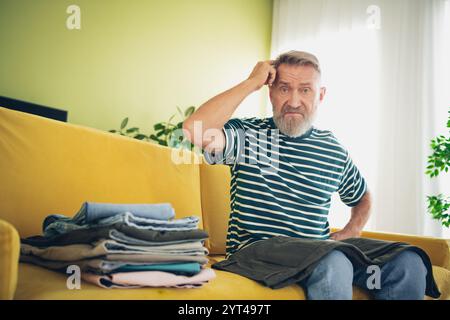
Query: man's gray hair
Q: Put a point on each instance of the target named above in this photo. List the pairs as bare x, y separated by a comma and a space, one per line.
299, 58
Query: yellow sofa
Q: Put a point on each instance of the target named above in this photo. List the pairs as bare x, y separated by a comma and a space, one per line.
49, 167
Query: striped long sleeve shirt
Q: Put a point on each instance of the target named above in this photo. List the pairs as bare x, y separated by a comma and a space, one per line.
282, 186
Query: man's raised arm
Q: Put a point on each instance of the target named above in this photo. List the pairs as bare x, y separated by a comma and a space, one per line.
215, 112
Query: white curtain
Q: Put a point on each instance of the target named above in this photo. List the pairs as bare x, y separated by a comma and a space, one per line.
386, 69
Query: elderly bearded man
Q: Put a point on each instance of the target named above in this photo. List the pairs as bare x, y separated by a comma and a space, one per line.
283, 173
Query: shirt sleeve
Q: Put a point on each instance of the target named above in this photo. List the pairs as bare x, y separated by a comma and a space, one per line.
234, 144
353, 185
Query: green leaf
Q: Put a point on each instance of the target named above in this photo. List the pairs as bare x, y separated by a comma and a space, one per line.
159, 126
189, 111
179, 111
153, 137
134, 129
140, 136
159, 134
170, 125
170, 119
113, 131
124, 123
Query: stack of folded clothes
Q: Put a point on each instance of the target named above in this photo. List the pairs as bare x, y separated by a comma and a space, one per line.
124, 246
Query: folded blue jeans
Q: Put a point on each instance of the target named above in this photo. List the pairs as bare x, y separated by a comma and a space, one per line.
60, 226
92, 211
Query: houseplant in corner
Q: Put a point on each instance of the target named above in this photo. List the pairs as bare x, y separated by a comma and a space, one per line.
439, 161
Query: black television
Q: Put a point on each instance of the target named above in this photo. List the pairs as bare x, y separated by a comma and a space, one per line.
33, 108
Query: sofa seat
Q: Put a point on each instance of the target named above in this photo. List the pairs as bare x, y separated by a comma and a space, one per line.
38, 283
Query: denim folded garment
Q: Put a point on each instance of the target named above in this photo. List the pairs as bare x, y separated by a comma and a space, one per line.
92, 211
100, 266
63, 225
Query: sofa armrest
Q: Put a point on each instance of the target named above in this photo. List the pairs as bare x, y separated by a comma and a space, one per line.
9, 259
438, 249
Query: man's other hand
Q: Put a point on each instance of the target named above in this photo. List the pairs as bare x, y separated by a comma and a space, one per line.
345, 234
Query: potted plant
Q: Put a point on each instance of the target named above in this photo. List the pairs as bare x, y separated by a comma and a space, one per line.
166, 133
439, 161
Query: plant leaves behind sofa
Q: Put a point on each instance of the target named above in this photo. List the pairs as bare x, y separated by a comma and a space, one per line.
47, 166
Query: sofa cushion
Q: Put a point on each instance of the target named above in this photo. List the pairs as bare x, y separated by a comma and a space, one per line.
442, 278
47, 167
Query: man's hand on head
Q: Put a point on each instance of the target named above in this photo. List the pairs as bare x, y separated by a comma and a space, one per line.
263, 73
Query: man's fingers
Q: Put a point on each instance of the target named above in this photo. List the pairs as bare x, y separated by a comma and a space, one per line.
264, 72
333, 236
272, 75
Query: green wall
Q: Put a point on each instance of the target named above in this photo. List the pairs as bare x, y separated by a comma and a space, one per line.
131, 58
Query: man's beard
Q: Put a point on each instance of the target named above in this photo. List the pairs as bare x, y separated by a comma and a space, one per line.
294, 126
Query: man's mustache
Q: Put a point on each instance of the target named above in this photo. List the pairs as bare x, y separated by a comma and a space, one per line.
291, 109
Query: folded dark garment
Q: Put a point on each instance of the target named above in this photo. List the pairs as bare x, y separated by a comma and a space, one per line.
90, 235
281, 261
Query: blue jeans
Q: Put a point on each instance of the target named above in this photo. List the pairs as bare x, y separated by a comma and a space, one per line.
61, 224
402, 278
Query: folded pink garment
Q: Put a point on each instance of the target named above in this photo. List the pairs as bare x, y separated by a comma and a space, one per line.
149, 279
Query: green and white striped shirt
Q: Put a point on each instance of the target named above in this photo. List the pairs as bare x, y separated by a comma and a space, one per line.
282, 186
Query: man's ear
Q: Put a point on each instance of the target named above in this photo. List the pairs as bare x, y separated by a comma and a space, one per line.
323, 91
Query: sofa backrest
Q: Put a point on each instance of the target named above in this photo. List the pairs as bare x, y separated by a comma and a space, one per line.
51, 167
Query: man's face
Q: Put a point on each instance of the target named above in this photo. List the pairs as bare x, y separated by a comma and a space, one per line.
295, 95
